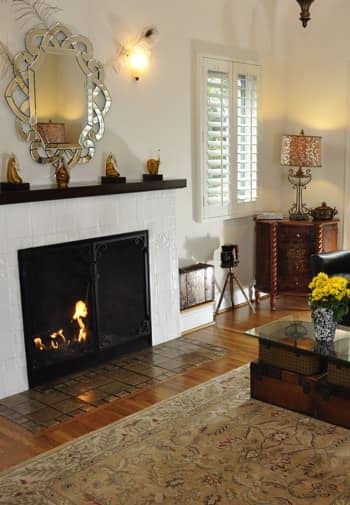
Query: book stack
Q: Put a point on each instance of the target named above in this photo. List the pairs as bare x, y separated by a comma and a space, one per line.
269, 215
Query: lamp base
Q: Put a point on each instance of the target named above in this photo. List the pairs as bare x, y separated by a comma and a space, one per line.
298, 216
299, 180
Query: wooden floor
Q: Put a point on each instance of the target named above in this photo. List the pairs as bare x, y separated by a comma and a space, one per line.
17, 445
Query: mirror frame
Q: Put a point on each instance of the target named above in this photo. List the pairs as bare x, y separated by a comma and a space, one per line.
58, 38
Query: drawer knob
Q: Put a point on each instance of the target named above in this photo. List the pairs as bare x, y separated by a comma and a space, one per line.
298, 235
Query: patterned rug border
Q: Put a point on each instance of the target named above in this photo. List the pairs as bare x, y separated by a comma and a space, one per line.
125, 421
250, 450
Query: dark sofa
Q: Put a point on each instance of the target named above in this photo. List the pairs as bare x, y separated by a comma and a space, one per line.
333, 263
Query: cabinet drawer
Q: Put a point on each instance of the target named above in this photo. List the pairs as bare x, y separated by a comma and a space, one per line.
296, 235
294, 272
295, 283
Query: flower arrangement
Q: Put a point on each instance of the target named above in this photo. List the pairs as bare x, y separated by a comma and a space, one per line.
330, 293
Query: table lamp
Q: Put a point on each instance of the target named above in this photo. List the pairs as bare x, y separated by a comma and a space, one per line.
300, 151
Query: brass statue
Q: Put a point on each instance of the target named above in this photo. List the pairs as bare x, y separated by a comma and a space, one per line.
153, 166
62, 176
153, 163
12, 171
111, 166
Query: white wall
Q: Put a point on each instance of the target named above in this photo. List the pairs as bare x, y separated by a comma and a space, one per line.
317, 99
157, 111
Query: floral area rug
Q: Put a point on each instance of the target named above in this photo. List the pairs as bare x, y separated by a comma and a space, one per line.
209, 445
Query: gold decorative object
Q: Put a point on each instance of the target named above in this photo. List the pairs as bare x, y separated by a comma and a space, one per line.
14, 180
153, 163
12, 171
300, 151
62, 175
323, 212
153, 166
32, 88
111, 166
112, 173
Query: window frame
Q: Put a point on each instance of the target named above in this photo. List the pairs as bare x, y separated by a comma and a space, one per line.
233, 209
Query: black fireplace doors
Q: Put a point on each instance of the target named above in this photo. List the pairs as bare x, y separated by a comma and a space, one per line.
84, 302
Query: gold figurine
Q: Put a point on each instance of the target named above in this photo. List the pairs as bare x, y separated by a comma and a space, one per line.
153, 163
62, 176
111, 166
12, 171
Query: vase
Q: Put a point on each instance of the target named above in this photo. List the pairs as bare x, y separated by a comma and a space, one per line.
325, 324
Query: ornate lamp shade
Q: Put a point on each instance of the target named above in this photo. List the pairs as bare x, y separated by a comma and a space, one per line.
301, 151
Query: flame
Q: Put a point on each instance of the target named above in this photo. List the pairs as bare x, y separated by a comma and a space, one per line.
81, 312
54, 344
59, 333
58, 338
39, 344
54, 339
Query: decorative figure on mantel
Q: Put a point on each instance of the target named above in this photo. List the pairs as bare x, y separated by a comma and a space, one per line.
12, 171
112, 173
111, 166
62, 175
14, 180
152, 166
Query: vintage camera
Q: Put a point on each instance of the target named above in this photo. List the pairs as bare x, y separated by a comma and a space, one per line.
229, 256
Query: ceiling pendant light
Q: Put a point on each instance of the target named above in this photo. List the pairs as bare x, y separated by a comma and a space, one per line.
305, 11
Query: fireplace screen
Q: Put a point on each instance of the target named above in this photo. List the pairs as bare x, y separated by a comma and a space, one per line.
84, 302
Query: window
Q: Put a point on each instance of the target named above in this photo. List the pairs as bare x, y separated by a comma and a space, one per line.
230, 105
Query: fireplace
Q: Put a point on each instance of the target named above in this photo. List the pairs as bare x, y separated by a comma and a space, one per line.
84, 302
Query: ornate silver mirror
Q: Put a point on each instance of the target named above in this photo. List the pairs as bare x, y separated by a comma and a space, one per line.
58, 95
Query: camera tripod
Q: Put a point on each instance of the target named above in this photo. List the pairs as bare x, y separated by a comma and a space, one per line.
231, 278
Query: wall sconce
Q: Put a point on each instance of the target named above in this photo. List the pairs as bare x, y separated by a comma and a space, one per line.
136, 54
138, 60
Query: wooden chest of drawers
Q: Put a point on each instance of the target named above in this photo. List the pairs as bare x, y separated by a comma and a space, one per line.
282, 254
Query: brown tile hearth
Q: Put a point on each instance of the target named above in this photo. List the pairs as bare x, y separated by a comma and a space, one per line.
60, 400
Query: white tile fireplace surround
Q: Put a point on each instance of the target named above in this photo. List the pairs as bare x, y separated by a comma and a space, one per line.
43, 223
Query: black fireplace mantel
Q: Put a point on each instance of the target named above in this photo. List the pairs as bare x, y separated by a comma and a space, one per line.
49, 193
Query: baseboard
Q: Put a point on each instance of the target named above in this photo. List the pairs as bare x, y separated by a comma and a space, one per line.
198, 328
196, 317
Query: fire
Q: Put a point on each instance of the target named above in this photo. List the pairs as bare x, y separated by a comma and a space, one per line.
59, 333
81, 312
39, 344
55, 337
58, 339
54, 344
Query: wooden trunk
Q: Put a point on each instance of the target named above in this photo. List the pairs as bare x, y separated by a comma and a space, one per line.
311, 395
280, 387
332, 404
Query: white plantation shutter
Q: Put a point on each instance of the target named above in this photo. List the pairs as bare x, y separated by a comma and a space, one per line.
217, 117
230, 138
247, 87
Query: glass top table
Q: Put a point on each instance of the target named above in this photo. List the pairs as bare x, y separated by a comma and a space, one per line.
298, 333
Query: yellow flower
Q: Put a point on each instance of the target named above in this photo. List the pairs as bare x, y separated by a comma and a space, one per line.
329, 290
